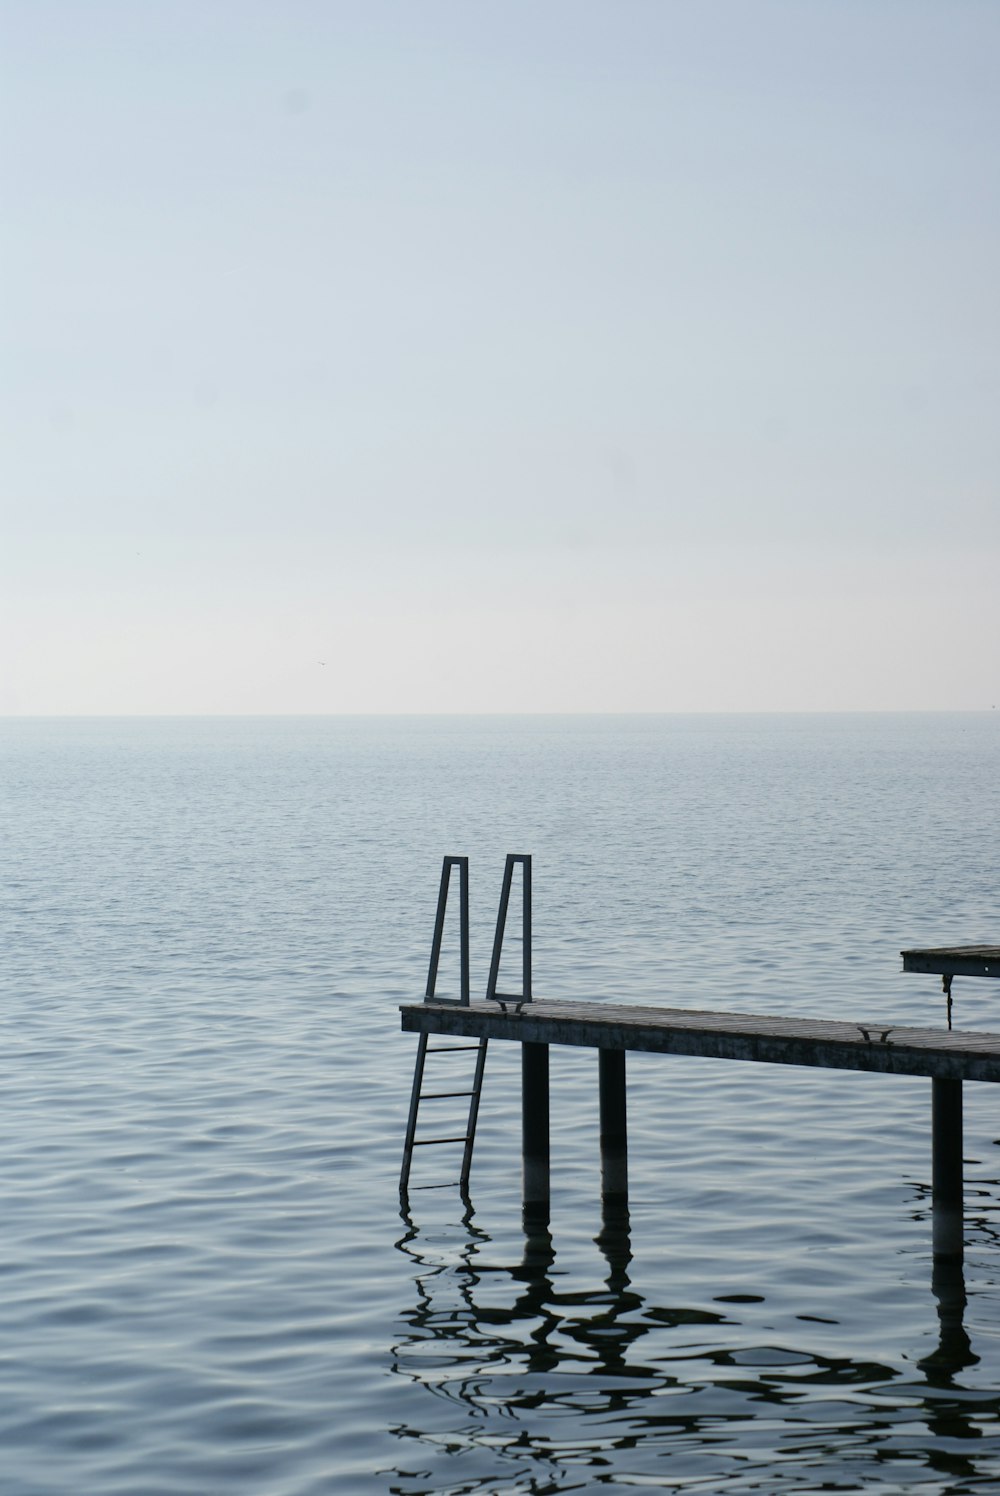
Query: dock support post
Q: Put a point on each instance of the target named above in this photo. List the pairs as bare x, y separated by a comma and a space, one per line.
535, 1129
946, 1168
614, 1130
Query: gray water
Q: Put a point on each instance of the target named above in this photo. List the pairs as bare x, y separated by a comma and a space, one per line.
206, 1283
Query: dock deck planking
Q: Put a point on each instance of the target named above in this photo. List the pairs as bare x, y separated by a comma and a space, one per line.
947, 1054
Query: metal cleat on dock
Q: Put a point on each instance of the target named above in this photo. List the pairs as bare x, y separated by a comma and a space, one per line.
883, 1034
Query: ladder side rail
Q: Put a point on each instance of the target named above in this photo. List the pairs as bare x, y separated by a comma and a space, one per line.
411, 1122
492, 994
508, 873
526, 928
470, 1131
463, 896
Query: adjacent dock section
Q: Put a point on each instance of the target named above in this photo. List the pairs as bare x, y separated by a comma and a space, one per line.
947, 1058
950, 961
955, 960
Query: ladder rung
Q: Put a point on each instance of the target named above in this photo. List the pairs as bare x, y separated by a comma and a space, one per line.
449, 1048
426, 1142
440, 1095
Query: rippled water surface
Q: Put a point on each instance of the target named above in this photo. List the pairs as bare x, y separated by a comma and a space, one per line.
206, 1282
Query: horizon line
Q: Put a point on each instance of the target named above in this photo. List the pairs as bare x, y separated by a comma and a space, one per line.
676, 712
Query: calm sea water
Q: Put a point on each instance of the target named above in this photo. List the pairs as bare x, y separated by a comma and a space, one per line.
206, 1283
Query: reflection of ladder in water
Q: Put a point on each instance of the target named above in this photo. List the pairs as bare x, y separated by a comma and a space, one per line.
473, 1094
418, 1094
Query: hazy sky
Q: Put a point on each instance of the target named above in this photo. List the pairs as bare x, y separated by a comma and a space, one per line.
485, 355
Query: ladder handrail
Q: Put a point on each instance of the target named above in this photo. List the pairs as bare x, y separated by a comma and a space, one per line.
462, 863
524, 858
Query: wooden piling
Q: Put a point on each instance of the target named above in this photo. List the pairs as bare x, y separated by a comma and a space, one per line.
535, 1127
614, 1128
947, 1225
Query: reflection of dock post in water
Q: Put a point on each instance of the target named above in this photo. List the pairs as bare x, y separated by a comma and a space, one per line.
954, 1350
542, 1376
449, 1320
615, 1241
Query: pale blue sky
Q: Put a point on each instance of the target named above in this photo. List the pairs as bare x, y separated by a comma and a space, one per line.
558, 356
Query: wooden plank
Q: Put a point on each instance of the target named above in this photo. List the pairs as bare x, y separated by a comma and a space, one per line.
764, 1039
955, 960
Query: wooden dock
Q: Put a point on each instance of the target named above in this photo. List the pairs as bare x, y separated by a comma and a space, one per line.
946, 1057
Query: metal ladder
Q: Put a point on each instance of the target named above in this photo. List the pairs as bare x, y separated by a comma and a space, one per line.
517, 1000
418, 1094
